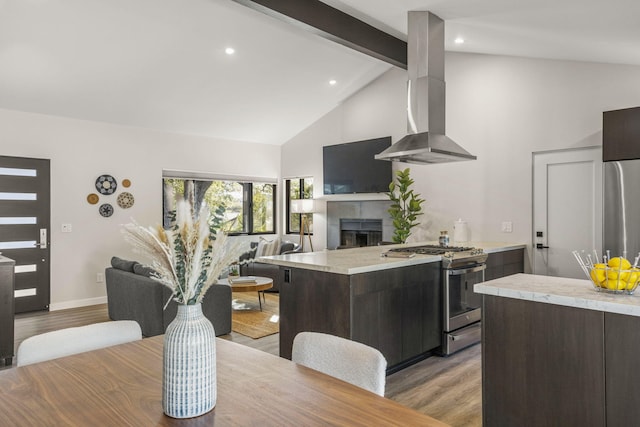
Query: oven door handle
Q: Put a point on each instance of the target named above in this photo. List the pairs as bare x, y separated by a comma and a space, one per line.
461, 271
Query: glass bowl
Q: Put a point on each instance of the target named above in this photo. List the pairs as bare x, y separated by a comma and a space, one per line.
613, 280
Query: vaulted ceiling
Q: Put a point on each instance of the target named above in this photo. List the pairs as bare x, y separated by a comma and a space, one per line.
161, 64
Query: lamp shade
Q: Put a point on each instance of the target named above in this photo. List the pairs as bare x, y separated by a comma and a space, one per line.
302, 206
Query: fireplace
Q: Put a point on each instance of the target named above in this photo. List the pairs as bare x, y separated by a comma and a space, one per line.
360, 232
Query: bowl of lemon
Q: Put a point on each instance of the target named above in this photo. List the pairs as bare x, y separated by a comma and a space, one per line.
617, 276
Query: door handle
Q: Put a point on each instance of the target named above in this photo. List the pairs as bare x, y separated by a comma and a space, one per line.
43, 239
541, 246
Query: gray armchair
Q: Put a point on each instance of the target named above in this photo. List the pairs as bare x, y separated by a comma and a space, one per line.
132, 295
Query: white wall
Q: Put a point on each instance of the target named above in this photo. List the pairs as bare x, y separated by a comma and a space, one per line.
80, 151
500, 109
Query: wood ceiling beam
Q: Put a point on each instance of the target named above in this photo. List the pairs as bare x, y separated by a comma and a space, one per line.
335, 25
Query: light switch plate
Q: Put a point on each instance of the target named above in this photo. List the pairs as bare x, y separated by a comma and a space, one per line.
507, 226
66, 228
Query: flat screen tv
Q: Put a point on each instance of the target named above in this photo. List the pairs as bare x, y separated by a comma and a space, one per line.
351, 168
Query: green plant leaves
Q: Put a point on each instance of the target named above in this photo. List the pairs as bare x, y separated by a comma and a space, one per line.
406, 206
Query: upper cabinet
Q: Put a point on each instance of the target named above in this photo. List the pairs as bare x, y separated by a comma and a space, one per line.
621, 134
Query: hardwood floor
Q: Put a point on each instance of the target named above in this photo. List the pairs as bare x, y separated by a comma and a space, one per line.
448, 389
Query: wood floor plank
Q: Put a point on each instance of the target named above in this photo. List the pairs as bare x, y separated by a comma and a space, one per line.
446, 388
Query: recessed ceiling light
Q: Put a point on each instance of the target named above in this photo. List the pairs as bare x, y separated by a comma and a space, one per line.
229, 51
333, 82
458, 40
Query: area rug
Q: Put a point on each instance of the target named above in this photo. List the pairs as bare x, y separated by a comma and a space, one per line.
248, 320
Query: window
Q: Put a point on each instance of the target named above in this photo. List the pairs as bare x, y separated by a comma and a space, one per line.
298, 188
250, 207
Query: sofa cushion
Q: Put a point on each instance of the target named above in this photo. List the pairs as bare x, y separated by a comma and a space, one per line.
268, 247
143, 270
122, 264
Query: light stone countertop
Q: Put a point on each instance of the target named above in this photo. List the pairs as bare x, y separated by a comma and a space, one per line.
367, 259
578, 293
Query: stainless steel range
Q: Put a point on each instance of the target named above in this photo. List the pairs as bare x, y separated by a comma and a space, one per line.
462, 267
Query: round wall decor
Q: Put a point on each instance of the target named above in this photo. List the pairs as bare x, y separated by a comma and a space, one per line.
106, 210
93, 198
106, 184
126, 183
125, 200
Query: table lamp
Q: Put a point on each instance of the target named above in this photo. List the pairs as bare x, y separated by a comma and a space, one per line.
303, 207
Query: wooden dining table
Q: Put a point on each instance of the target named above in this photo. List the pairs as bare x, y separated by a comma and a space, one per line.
122, 386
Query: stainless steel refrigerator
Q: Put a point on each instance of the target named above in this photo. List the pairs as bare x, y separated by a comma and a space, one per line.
621, 202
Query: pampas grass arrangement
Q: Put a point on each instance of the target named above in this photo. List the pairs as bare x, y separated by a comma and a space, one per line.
190, 256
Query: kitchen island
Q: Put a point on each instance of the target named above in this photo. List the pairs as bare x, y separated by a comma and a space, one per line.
556, 352
392, 304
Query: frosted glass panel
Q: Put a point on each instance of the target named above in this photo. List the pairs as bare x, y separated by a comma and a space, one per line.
29, 268
25, 292
17, 220
18, 196
17, 172
26, 244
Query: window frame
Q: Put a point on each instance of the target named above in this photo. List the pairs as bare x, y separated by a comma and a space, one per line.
288, 204
247, 184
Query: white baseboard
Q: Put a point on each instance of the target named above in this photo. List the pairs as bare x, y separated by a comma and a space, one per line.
77, 303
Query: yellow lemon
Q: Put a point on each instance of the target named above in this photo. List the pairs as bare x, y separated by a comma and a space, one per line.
622, 285
612, 284
633, 278
619, 263
599, 273
615, 274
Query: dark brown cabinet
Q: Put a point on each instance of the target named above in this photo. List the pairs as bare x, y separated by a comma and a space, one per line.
398, 311
546, 364
505, 263
7, 267
622, 347
621, 134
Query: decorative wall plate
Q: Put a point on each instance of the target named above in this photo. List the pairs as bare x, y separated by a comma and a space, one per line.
126, 183
106, 210
93, 198
106, 184
125, 200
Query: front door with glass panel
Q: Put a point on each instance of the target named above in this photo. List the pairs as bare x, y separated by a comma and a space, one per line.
24, 228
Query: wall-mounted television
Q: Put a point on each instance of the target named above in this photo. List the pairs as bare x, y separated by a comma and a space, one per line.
351, 168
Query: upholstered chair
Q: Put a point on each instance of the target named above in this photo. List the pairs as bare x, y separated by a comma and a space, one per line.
350, 361
65, 342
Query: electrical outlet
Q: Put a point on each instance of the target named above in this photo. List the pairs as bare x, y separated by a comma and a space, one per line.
507, 226
66, 228
99, 277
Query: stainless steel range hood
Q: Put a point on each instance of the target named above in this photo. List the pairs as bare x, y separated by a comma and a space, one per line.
426, 142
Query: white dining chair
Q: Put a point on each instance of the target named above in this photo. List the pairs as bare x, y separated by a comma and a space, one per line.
350, 361
65, 342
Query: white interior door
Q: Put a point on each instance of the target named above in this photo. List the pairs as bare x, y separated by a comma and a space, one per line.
567, 209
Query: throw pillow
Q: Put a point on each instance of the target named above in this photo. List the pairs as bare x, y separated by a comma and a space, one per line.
122, 264
143, 270
268, 248
272, 247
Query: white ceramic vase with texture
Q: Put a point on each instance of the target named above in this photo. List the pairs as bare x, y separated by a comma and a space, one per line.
189, 374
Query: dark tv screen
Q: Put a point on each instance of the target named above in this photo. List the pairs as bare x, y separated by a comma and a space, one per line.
351, 168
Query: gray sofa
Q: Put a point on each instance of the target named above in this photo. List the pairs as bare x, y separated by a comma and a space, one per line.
133, 295
256, 268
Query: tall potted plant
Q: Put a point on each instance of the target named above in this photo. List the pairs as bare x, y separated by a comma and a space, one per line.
406, 206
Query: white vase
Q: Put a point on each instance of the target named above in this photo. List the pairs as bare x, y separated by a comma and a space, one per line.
189, 374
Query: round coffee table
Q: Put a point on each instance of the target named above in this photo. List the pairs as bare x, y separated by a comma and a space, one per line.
260, 284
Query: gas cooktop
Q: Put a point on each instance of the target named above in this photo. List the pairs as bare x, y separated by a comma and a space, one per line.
432, 249
452, 256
